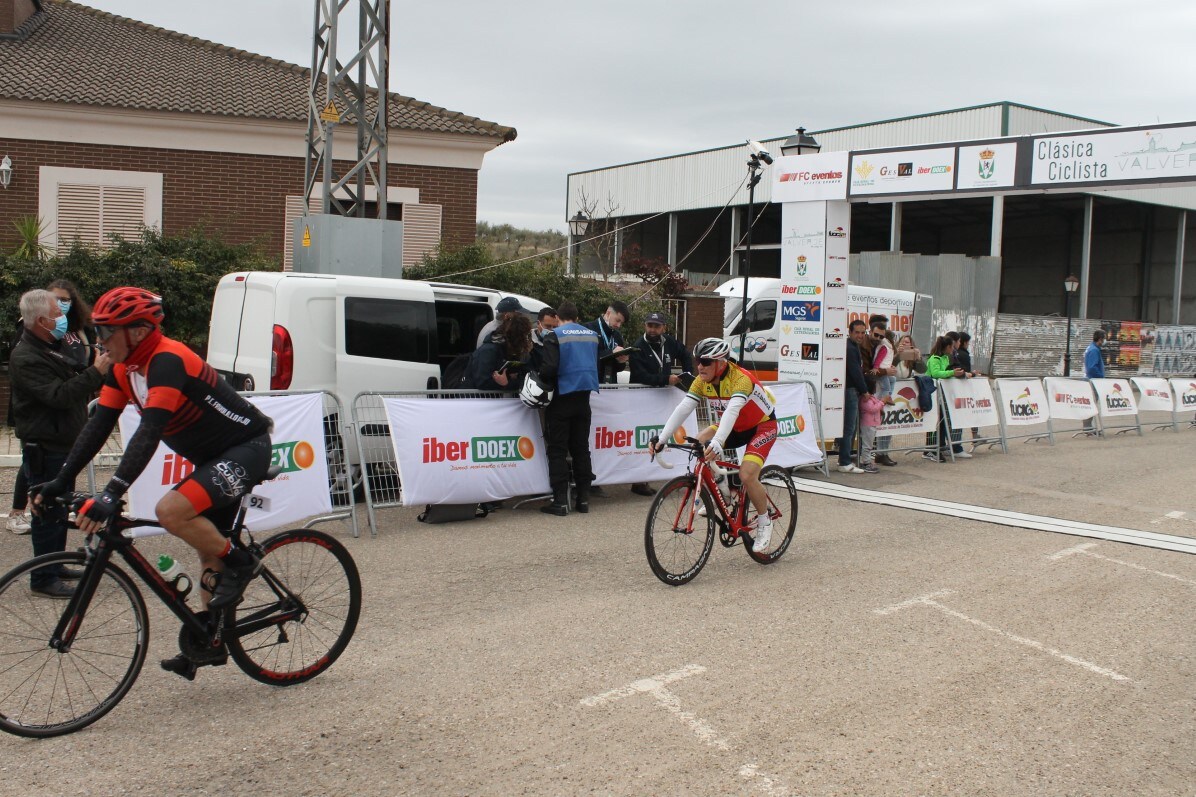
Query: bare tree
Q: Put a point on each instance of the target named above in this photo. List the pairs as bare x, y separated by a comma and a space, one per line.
601, 236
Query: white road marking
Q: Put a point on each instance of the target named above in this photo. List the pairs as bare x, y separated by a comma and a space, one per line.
643, 685
1173, 515
1000, 517
765, 783
699, 726
769, 785
929, 600
1085, 550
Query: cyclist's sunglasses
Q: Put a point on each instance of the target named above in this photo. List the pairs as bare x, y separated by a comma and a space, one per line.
706, 361
103, 333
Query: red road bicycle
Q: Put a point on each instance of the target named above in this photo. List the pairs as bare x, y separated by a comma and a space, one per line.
679, 534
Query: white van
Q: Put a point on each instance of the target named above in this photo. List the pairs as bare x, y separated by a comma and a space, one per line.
907, 311
343, 334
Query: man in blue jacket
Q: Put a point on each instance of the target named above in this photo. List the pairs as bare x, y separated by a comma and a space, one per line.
1094, 365
570, 363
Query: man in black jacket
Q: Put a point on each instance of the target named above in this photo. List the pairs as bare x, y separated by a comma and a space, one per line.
657, 359
49, 400
610, 340
855, 387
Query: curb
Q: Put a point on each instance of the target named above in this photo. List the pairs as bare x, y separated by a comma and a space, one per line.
10, 461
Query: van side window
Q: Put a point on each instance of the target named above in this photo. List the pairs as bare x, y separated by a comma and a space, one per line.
390, 329
762, 316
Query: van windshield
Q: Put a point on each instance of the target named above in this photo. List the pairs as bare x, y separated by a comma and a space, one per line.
731, 308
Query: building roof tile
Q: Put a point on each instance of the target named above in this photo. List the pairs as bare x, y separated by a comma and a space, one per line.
74, 54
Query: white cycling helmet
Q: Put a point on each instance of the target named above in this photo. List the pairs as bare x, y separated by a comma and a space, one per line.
534, 392
712, 348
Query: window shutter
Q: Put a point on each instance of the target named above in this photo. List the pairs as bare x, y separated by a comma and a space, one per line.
78, 216
90, 213
421, 232
122, 212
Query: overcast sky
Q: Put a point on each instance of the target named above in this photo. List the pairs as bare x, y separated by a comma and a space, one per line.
596, 84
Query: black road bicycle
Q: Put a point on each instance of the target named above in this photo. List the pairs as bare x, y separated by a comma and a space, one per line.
61, 669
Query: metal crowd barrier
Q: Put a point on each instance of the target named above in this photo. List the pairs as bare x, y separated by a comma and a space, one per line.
375, 454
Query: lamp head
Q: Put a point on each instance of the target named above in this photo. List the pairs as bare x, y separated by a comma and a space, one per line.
800, 143
1072, 283
579, 224
5, 171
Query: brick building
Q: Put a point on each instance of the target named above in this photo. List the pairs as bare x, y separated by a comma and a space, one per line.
111, 124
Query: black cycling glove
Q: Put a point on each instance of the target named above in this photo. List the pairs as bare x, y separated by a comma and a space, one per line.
101, 507
49, 491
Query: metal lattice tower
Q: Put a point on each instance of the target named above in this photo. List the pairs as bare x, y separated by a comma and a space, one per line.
335, 98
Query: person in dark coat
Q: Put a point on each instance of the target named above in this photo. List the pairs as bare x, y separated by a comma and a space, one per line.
610, 340
657, 359
50, 392
855, 387
490, 367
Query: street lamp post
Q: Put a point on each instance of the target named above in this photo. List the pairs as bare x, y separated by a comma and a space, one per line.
800, 143
1070, 285
755, 164
577, 228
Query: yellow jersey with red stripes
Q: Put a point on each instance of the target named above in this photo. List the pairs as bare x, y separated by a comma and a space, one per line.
761, 404
206, 416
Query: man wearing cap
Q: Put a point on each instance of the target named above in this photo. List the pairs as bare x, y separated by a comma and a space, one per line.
508, 304
657, 359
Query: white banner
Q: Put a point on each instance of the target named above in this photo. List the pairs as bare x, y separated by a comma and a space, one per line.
797, 437
970, 403
1070, 398
802, 178
1154, 394
462, 451
901, 171
1115, 397
1125, 155
622, 421
1023, 402
986, 166
300, 491
905, 414
1184, 391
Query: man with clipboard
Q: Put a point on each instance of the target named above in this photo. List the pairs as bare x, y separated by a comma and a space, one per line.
610, 341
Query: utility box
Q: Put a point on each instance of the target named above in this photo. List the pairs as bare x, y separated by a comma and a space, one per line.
327, 244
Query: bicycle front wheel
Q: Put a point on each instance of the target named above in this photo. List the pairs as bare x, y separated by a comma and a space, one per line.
676, 538
299, 615
782, 508
50, 692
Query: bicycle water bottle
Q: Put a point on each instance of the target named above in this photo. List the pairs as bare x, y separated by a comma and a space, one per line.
172, 573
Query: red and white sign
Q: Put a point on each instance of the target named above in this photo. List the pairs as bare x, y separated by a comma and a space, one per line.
905, 414
1115, 397
1070, 398
1154, 394
1023, 402
969, 402
803, 178
622, 421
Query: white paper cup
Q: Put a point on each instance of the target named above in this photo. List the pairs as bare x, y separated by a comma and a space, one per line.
623, 377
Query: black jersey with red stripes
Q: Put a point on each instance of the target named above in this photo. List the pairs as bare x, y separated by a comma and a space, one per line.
206, 416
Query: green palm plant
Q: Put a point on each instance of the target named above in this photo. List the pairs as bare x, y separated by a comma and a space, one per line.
30, 229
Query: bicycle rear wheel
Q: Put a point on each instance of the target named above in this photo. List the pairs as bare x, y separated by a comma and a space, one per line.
782, 507
299, 615
48, 692
676, 538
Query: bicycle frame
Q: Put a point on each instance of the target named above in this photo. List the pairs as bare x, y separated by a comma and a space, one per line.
111, 540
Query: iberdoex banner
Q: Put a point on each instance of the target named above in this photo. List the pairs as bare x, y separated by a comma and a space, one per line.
463, 451
1070, 398
299, 492
621, 424
970, 402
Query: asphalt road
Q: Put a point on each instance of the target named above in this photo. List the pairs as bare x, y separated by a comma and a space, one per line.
890, 652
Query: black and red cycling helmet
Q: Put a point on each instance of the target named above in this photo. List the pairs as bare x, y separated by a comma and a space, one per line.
123, 307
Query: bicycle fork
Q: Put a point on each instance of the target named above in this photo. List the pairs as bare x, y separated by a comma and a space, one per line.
85, 589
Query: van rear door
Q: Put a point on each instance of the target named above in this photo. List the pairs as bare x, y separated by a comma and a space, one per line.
385, 336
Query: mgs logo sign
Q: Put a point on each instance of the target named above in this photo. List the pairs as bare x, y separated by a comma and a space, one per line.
801, 311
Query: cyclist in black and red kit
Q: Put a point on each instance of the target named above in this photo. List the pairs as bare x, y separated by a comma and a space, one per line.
184, 403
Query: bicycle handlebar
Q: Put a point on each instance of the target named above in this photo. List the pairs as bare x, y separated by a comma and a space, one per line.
696, 449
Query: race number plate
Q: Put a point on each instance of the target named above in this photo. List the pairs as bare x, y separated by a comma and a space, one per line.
258, 502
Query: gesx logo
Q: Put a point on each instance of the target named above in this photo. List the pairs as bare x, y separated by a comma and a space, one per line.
507, 448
